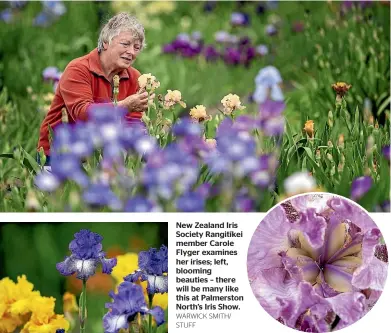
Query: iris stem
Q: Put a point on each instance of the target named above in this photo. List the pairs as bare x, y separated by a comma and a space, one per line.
150, 297
83, 309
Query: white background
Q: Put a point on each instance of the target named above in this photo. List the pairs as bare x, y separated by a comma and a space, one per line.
251, 317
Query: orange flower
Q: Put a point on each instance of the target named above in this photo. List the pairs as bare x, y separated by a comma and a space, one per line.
309, 128
98, 283
341, 88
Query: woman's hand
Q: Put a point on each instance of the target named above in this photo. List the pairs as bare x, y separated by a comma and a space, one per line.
137, 102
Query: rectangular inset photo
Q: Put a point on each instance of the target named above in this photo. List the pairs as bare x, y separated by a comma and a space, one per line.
83, 277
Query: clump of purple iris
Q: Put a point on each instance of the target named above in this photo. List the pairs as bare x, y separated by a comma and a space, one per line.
153, 268
126, 304
86, 254
317, 263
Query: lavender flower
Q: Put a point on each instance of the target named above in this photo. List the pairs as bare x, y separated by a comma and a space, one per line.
210, 53
191, 202
153, 268
6, 15
271, 30
313, 263
126, 304
268, 79
360, 186
222, 37
140, 204
86, 254
240, 19
56, 8
386, 152
51, 73
262, 50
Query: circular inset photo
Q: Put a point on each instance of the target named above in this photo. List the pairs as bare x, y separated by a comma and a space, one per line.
317, 262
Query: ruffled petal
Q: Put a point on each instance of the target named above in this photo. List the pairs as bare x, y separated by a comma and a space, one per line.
350, 307
157, 284
313, 226
373, 273
269, 239
158, 313
113, 323
108, 265
85, 268
134, 277
271, 287
67, 267
355, 214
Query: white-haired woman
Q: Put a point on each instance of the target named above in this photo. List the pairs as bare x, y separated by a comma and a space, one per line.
88, 80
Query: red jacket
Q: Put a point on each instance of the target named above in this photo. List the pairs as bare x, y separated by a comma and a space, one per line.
81, 85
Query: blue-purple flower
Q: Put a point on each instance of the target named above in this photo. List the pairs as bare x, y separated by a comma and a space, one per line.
126, 304
360, 186
153, 268
317, 263
86, 254
240, 19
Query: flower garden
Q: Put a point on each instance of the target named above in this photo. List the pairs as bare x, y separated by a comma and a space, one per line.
107, 278
255, 102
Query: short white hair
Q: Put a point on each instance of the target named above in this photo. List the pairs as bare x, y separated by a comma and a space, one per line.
120, 23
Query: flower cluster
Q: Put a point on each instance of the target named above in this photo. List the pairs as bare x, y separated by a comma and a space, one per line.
171, 172
23, 308
87, 253
130, 301
126, 304
317, 263
231, 49
153, 267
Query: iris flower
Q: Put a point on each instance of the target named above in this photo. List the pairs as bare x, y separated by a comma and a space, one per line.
153, 266
127, 303
86, 254
317, 263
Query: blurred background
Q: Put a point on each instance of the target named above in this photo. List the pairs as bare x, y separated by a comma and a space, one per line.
33, 249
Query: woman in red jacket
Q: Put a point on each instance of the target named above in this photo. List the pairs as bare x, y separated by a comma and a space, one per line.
88, 80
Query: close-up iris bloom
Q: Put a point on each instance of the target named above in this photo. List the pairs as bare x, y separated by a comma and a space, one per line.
317, 263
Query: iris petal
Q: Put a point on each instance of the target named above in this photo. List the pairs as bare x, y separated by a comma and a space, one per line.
337, 278
336, 240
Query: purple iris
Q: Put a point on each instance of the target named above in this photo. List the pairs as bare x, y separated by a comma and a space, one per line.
86, 254
56, 8
140, 204
99, 194
211, 53
51, 73
6, 15
386, 152
360, 186
232, 56
153, 268
60, 330
190, 202
316, 263
240, 19
126, 304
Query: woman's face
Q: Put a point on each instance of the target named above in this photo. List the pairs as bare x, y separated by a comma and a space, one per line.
123, 50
